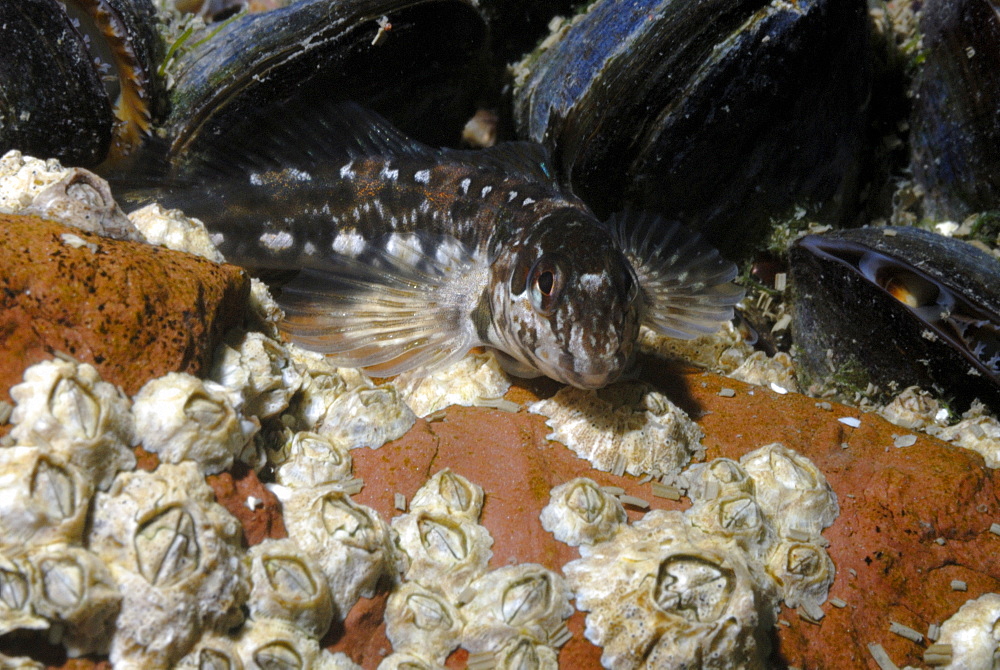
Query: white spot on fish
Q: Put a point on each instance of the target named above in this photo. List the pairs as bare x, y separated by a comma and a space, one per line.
425, 206
527, 201
511, 196
346, 172
486, 191
256, 179
309, 249
349, 243
389, 174
422, 176
591, 281
279, 241
466, 183
297, 175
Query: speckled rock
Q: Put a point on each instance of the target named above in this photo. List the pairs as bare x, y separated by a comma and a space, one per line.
132, 310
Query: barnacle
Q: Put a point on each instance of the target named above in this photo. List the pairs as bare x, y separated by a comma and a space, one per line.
43, 500
213, 651
791, 490
913, 409
974, 633
309, 459
352, 545
449, 493
523, 652
273, 643
626, 427
171, 229
66, 408
723, 351
17, 587
664, 594
978, 432
288, 584
581, 512
803, 571
180, 417
474, 380
514, 602
763, 370
720, 476
735, 517
446, 553
260, 371
421, 622
402, 660
176, 556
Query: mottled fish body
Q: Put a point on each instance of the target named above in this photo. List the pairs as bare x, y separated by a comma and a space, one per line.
409, 256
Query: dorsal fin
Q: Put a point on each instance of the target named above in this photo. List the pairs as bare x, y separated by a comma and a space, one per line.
528, 160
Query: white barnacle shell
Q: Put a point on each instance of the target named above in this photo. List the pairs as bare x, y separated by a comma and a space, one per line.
449, 493
353, 546
182, 418
265, 308
214, 651
66, 408
75, 590
803, 571
273, 643
978, 433
720, 476
404, 660
663, 594
445, 553
514, 602
581, 512
171, 229
523, 652
287, 583
791, 490
474, 380
17, 595
625, 427
974, 633
43, 500
913, 409
761, 369
736, 517
259, 370
422, 622
177, 557
19, 663
309, 459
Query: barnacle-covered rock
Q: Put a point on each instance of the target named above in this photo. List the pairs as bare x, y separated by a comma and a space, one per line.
76, 592
977, 431
446, 553
308, 459
791, 490
43, 500
182, 418
449, 493
352, 545
974, 633
171, 229
474, 380
581, 512
803, 571
764, 370
72, 196
259, 370
422, 622
913, 409
723, 351
663, 594
626, 427
287, 584
177, 558
17, 590
512, 602
66, 408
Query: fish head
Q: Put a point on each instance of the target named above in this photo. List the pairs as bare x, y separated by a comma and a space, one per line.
565, 302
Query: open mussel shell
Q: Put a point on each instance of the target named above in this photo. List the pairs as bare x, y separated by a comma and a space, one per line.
721, 114
77, 81
898, 307
418, 62
955, 137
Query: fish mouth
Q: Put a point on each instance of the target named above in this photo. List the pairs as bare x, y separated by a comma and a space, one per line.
594, 380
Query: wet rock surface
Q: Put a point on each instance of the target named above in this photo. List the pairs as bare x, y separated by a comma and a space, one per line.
132, 310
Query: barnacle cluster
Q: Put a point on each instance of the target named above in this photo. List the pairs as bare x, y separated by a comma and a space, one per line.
973, 633
627, 427
474, 380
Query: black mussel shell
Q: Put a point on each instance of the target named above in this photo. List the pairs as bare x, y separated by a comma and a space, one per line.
722, 113
898, 307
418, 62
955, 137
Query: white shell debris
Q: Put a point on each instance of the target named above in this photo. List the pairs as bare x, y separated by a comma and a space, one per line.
258, 370
977, 431
66, 408
182, 418
449, 493
912, 409
421, 622
288, 584
176, 556
72, 196
626, 427
581, 512
664, 594
308, 459
974, 633
759, 369
352, 545
474, 380
170, 228
514, 602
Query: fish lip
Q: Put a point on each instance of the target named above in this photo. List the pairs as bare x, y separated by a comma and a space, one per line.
595, 380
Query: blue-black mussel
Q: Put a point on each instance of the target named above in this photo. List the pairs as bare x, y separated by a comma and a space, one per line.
898, 307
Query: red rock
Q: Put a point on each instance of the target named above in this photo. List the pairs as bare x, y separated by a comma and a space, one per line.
133, 310
233, 489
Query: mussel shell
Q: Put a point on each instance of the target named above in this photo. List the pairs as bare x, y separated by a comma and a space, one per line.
52, 101
955, 137
903, 306
424, 75
720, 113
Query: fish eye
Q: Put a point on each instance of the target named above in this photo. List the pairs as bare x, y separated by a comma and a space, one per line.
546, 280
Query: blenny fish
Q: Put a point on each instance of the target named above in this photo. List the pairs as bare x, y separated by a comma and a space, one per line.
408, 256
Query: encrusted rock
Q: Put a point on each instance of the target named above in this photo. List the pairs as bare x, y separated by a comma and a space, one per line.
171, 229
581, 512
